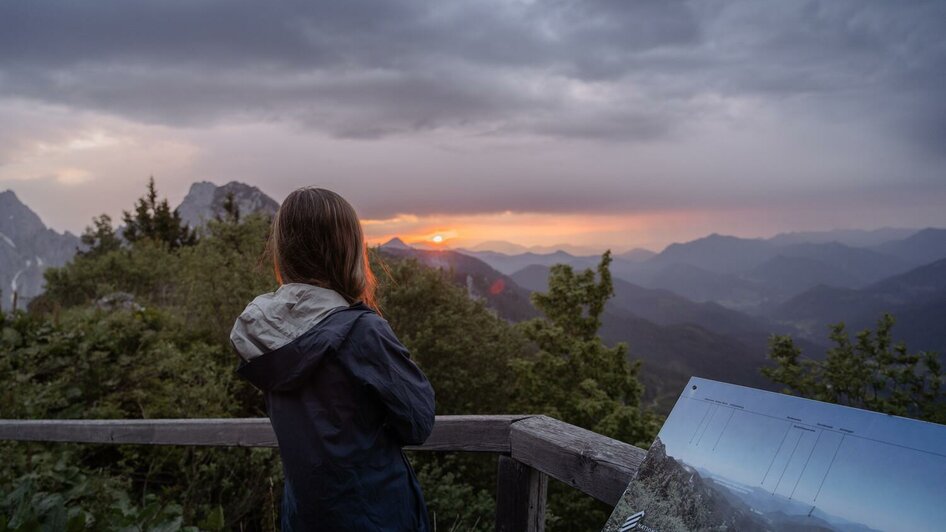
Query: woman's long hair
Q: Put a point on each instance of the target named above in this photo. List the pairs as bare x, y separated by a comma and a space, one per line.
316, 238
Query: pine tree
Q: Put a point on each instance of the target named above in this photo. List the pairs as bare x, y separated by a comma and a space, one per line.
155, 220
873, 373
100, 237
574, 377
231, 210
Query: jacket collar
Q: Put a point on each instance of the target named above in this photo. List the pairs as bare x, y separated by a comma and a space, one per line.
291, 365
275, 319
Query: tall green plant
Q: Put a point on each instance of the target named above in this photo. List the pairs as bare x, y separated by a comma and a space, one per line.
155, 220
100, 238
872, 372
576, 378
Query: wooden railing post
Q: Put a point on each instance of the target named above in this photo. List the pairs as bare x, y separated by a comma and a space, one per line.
520, 497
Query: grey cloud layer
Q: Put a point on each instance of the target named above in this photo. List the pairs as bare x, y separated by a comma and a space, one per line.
594, 106
361, 69
603, 69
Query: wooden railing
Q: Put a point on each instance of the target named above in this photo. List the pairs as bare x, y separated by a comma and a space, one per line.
530, 449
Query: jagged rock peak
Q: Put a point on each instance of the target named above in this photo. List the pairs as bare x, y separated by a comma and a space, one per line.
27, 248
205, 200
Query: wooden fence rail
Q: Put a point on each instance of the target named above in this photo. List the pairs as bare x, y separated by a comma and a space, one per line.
531, 449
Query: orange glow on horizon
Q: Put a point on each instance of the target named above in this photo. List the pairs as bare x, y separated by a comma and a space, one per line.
594, 232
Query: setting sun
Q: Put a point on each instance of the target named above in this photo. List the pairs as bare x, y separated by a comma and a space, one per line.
437, 239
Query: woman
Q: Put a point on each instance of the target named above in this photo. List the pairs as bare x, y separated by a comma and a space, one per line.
340, 389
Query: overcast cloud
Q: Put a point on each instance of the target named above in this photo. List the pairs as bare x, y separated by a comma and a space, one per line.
547, 106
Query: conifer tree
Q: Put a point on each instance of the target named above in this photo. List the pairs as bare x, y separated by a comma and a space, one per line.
155, 220
100, 237
576, 378
872, 373
231, 210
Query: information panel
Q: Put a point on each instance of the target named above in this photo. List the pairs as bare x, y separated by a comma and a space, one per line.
735, 458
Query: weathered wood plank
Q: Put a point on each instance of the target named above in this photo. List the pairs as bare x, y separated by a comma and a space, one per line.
595, 464
521, 493
451, 433
487, 434
243, 432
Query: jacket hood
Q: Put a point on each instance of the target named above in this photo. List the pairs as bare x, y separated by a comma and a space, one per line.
275, 319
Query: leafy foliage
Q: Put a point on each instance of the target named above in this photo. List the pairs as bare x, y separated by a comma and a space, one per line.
58, 495
465, 350
454, 500
121, 364
220, 274
872, 373
576, 378
463, 347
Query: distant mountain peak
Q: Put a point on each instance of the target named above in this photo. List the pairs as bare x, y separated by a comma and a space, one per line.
395, 243
848, 237
508, 248
728, 238
27, 247
19, 221
205, 200
925, 246
929, 231
499, 246
637, 254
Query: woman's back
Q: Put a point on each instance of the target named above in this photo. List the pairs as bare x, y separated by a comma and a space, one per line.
343, 397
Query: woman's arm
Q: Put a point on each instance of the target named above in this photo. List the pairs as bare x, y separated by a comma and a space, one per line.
382, 362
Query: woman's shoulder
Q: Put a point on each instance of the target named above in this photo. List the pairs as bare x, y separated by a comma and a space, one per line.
370, 322
372, 330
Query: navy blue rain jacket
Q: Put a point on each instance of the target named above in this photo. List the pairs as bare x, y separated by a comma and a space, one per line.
343, 398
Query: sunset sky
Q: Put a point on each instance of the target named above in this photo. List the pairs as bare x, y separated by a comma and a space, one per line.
598, 123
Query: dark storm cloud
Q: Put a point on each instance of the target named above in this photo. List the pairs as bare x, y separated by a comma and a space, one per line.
359, 33
370, 68
596, 106
353, 68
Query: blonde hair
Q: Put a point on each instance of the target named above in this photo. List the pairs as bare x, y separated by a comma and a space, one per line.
316, 238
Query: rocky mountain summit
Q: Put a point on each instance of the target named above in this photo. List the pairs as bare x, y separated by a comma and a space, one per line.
27, 248
205, 200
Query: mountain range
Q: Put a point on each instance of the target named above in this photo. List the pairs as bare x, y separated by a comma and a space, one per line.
708, 307
755, 275
704, 307
28, 247
917, 300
